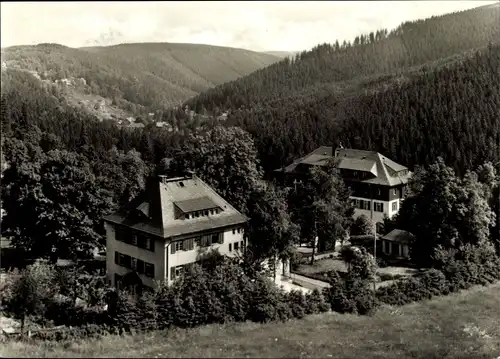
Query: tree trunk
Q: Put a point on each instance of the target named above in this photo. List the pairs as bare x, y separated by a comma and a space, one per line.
23, 321
313, 250
274, 268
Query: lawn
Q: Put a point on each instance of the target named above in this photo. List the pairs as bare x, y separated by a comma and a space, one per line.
320, 267
464, 325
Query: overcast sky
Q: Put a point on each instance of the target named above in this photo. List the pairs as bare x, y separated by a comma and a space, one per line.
254, 25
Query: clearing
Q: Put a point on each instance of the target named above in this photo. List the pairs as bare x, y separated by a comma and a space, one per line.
463, 325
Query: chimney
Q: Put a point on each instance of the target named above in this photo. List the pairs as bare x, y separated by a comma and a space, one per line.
339, 147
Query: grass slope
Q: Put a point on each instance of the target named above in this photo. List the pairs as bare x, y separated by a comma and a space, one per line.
463, 325
147, 74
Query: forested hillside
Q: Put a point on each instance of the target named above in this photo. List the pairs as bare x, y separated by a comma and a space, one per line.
153, 75
416, 93
410, 44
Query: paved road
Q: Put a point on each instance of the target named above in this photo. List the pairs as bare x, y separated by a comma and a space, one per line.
308, 282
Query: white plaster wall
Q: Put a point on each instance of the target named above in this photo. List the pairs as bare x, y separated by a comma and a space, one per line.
112, 245
191, 256
377, 216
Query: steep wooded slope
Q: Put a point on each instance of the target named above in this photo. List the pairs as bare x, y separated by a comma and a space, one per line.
380, 52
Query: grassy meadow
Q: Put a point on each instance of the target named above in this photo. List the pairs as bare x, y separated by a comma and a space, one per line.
463, 325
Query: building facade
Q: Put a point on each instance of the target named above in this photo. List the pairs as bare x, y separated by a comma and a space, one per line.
377, 183
172, 225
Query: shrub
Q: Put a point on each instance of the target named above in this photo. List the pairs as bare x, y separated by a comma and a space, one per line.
67, 333
31, 292
297, 303
362, 265
267, 302
350, 295
381, 262
435, 282
316, 303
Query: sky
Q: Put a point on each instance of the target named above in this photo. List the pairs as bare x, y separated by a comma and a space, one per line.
253, 25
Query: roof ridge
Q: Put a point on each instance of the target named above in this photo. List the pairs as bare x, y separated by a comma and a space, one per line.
381, 159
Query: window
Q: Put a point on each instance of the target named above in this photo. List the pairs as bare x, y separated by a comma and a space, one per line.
151, 244
184, 245
149, 270
230, 247
379, 192
378, 207
236, 246
239, 230
234, 230
395, 191
135, 239
140, 266
125, 261
179, 246
242, 244
217, 238
209, 239
205, 241
176, 272
364, 205
394, 206
118, 279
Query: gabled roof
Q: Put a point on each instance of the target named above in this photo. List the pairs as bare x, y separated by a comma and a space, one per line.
162, 197
354, 164
385, 171
399, 236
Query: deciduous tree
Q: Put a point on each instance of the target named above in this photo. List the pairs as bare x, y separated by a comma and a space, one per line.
226, 159
322, 206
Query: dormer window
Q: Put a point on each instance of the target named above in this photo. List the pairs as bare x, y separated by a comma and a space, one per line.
197, 207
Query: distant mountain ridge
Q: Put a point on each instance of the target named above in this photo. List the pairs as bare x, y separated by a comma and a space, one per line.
281, 53
136, 76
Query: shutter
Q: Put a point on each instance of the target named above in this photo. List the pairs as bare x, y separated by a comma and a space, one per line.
119, 234
117, 258
191, 244
151, 244
172, 273
172, 246
204, 241
221, 237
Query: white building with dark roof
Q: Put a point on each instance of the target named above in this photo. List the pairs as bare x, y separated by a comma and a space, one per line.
377, 183
167, 228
